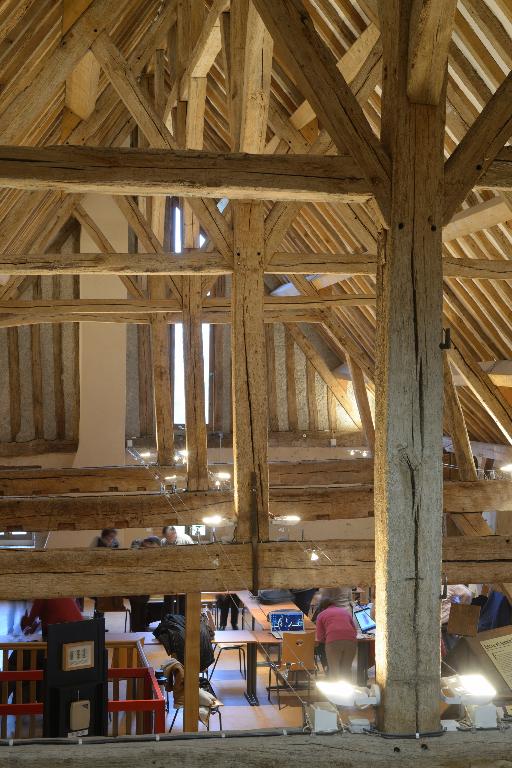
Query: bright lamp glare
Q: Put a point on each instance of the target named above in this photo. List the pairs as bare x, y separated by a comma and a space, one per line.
223, 475
183, 453
477, 685
291, 519
340, 692
314, 556
506, 468
146, 454
213, 520
170, 477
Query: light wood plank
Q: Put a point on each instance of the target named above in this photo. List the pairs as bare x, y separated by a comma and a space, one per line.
484, 215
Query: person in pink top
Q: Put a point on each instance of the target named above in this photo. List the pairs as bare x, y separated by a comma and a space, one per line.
335, 627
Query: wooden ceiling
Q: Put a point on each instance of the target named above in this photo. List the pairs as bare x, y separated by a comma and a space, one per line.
478, 310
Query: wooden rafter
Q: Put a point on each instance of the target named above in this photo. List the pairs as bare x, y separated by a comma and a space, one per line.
326, 90
479, 147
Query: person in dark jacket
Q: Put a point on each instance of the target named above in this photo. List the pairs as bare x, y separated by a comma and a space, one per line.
107, 538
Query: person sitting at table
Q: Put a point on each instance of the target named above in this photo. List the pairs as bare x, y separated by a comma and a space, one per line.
172, 538
226, 603
335, 627
56, 610
139, 603
107, 538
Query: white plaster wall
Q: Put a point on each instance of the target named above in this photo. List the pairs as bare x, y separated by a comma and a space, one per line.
102, 352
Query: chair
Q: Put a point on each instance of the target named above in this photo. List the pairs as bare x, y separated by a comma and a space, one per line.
241, 658
205, 684
213, 711
114, 605
297, 655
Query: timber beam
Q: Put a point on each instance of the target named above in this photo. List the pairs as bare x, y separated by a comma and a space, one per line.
135, 510
32, 482
217, 316
39, 573
199, 262
191, 173
184, 173
454, 749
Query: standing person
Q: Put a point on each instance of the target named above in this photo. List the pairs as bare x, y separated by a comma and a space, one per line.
139, 603
226, 603
171, 537
340, 596
107, 538
335, 627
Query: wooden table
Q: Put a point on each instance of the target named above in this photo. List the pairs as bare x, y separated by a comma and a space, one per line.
251, 640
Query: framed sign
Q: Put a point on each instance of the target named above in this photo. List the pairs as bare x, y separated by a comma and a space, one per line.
78, 655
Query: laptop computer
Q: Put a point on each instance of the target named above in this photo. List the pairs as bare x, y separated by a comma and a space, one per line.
364, 621
285, 621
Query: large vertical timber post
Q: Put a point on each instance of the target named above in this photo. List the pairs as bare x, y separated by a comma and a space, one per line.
190, 136
249, 381
192, 661
409, 402
189, 132
250, 57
